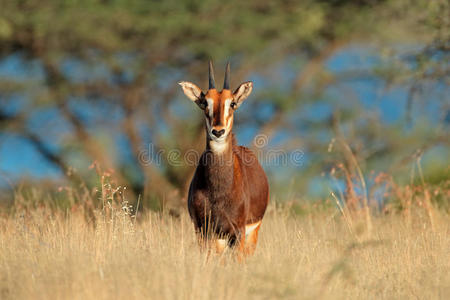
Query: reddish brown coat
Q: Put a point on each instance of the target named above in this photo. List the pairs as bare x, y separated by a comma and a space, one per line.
228, 191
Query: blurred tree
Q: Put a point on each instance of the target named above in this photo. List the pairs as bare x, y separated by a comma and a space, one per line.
105, 72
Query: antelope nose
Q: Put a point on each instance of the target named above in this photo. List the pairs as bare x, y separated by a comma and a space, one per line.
218, 133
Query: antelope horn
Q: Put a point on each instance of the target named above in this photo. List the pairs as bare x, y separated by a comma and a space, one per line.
226, 81
212, 82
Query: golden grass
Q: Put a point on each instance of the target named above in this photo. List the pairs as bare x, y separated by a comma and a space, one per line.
48, 256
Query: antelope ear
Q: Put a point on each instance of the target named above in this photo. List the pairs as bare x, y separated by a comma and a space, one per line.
242, 92
194, 93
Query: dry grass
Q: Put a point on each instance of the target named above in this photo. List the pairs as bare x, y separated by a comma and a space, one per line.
49, 256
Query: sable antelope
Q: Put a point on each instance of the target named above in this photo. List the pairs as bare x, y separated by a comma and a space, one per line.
229, 192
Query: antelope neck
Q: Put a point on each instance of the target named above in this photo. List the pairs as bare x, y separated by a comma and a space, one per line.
220, 165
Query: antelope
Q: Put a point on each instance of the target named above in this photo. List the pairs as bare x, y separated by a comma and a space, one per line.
229, 192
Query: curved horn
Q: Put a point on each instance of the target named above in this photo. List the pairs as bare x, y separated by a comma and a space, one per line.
212, 82
226, 81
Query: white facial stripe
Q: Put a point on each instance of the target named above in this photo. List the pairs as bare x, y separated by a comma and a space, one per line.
208, 125
218, 145
227, 112
210, 107
210, 113
226, 109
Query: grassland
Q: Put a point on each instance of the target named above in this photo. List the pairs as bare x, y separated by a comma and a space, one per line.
321, 255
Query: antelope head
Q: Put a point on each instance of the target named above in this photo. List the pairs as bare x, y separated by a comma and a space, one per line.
218, 106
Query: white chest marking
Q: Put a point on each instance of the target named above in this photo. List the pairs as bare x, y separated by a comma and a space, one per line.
218, 147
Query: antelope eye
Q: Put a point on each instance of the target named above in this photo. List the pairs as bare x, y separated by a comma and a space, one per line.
233, 104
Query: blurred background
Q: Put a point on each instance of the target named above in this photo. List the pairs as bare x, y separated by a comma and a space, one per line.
357, 90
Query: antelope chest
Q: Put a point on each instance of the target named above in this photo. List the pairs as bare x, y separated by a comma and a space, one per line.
225, 213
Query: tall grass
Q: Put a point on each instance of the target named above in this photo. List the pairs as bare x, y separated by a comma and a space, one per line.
90, 243
51, 255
